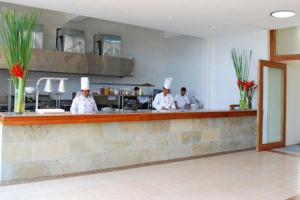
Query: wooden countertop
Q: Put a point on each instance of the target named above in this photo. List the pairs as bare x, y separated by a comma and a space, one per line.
68, 118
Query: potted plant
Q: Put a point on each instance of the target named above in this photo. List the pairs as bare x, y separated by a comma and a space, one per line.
16, 42
241, 62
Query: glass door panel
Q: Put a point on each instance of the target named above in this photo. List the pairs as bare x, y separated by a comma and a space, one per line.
271, 105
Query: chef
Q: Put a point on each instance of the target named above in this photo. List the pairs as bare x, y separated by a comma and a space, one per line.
164, 100
84, 102
181, 100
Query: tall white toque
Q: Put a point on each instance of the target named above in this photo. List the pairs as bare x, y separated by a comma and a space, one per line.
85, 83
168, 82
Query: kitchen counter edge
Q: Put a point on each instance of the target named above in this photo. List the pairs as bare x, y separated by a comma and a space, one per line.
68, 118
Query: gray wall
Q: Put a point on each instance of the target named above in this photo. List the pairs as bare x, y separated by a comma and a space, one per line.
156, 55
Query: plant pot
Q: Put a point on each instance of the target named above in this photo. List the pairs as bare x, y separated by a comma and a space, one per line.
243, 100
249, 103
19, 103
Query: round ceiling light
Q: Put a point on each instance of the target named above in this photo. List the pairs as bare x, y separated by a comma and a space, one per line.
283, 13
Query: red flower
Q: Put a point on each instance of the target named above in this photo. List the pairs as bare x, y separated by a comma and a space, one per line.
247, 85
17, 71
252, 83
239, 83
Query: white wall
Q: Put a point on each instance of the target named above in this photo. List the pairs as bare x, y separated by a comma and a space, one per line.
185, 63
292, 103
223, 89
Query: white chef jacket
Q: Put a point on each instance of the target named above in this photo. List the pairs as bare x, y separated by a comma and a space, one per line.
82, 105
181, 100
163, 101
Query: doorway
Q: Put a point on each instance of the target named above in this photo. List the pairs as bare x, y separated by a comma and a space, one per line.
271, 105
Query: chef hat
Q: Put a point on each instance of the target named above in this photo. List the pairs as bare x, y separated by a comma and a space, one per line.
168, 82
85, 83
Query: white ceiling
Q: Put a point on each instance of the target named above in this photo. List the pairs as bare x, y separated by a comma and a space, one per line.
191, 17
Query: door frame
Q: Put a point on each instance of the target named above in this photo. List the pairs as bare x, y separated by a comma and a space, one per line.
260, 145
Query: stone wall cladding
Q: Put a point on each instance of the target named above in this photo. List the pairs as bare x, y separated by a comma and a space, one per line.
36, 151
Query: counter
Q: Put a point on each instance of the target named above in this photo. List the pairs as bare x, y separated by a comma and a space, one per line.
35, 146
143, 115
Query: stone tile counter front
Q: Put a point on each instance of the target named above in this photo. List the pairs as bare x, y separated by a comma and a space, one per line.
35, 150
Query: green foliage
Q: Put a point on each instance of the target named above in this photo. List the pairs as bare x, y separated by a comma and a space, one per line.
241, 62
16, 39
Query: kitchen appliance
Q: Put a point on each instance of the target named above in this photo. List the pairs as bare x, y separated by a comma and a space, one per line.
107, 45
29, 90
48, 88
38, 37
107, 109
130, 104
116, 92
194, 106
197, 102
3, 103
105, 91
70, 40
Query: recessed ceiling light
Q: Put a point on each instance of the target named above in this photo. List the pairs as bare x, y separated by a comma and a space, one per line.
212, 27
283, 13
170, 17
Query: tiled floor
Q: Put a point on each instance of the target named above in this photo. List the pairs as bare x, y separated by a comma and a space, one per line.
243, 175
293, 150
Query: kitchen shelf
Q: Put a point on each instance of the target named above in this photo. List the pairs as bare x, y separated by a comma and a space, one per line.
123, 99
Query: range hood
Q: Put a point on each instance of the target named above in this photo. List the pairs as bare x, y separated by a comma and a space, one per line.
74, 63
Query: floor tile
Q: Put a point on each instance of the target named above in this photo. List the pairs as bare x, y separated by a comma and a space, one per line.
245, 175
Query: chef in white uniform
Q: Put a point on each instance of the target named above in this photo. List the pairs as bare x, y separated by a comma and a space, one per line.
84, 103
164, 100
181, 100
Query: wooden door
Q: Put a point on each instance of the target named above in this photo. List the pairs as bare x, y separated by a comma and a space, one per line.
271, 105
